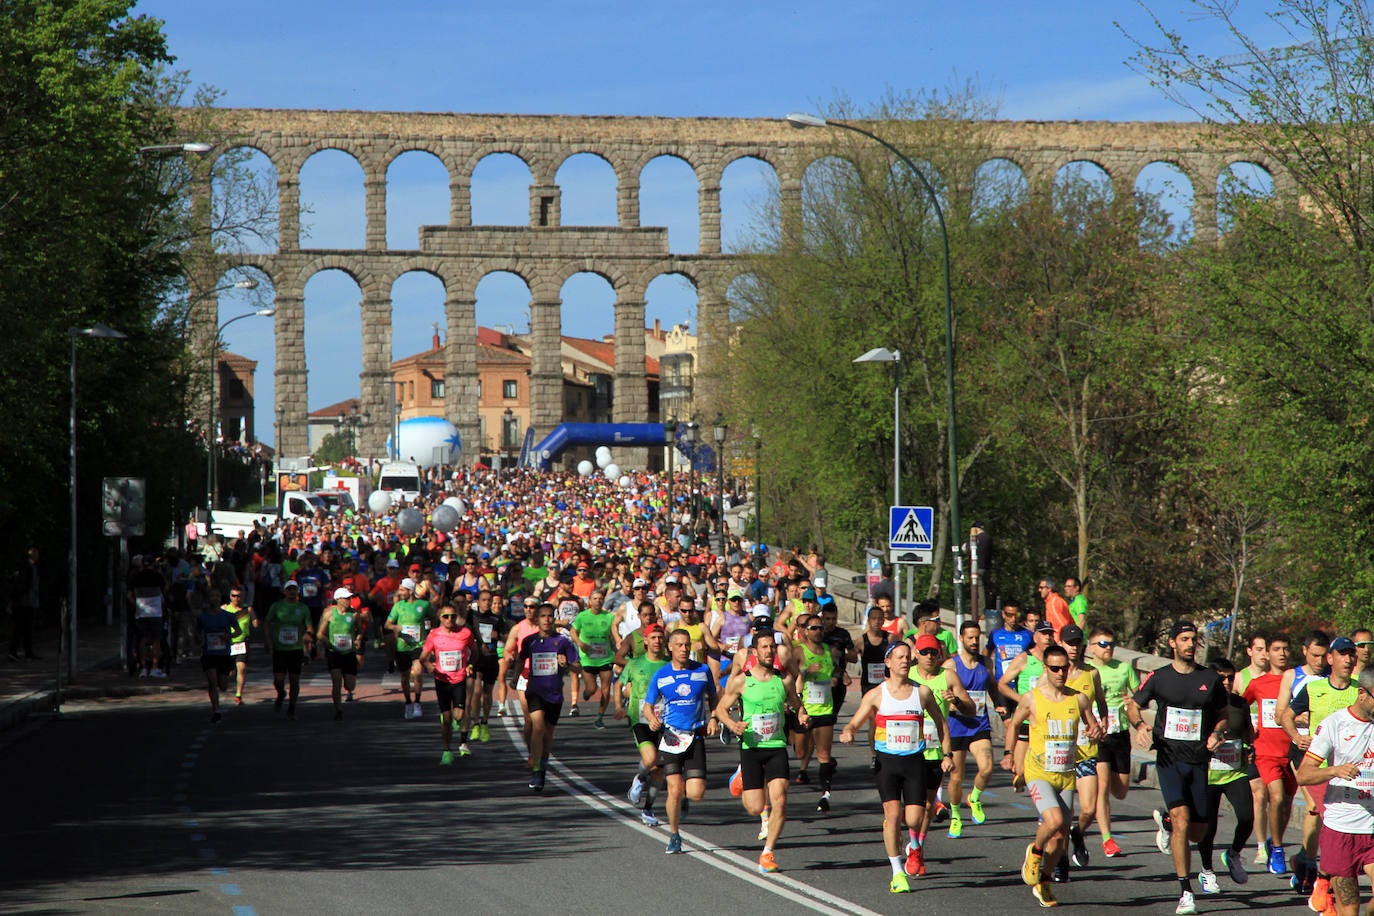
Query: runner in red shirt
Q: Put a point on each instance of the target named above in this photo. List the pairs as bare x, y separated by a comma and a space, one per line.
1271, 749
447, 655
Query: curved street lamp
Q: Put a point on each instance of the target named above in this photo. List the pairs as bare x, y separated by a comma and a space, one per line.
718, 432
210, 429
800, 119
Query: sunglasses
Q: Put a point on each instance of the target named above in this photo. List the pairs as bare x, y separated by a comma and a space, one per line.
447, 616
1365, 642
815, 628
1057, 669
236, 595
932, 652
1105, 644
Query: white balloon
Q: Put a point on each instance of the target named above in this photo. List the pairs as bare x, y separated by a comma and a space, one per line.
603, 457
410, 521
625, 480
585, 468
612, 472
379, 501
445, 518
458, 505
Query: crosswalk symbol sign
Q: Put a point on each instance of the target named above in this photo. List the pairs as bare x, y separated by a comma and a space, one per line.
909, 527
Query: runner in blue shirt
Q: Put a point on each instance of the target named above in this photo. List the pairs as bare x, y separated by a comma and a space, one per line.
1007, 641
550, 655
679, 703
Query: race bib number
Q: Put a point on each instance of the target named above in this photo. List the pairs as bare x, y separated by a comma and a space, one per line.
980, 702
148, 607
216, 642
928, 730
485, 630
411, 632
1031, 681
1183, 724
238, 648
1113, 720
674, 741
765, 725
1058, 756
1269, 713
598, 650
288, 636
310, 588
817, 693
901, 735
544, 664
877, 671
449, 659
731, 644
1227, 757
342, 642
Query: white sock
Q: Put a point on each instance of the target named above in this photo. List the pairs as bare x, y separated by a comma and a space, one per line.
897, 864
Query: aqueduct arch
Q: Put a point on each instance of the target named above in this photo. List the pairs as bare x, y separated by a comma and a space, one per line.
628, 255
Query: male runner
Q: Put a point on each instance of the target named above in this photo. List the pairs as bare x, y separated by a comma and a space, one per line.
949, 695
1019, 677
491, 627
1006, 642
218, 627
1257, 650
900, 709
591, 632
873, 643
549, 655
763, 696
970, 734
447, 656
340, 630
688, 696
1056, 714
632, 686
1341, 758
409, 623
1227, 777
1084, 679
1271, 750
238, 648
814, 673
1119, 680
1190, 724
288, 632
1315, 647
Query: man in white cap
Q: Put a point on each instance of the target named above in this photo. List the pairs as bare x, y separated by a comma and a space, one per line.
409, 623
341, 632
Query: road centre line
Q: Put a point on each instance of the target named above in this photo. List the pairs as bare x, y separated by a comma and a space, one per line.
717, 857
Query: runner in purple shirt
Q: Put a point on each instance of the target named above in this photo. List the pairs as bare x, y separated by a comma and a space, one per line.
550, 655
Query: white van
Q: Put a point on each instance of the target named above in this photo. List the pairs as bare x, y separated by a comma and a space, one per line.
401, 479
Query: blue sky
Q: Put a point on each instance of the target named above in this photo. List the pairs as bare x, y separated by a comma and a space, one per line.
1058, 60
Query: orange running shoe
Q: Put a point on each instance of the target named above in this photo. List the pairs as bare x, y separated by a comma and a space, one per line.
766, 864
737, 783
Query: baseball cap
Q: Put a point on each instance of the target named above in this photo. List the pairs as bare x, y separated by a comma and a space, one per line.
1342, 644
761, 611
670, 580
393, 563
762, 624
809, 595
408, 583
926, 641
414, 567
1070, 634
1180, 627
653, 628
292, 584
1045, 626
639, 583
342, 593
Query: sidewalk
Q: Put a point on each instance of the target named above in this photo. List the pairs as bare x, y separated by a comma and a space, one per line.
29, 687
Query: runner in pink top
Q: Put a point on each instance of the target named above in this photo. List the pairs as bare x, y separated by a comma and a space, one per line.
447, 655
511, 656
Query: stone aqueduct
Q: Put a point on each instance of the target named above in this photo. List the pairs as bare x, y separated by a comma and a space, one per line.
629, 256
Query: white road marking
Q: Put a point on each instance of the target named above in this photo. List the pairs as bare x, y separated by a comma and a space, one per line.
718, 857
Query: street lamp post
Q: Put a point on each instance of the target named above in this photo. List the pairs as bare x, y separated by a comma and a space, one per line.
718, 432
99, 332
670, 440
807, 120
884, 355
758, 492
210, 429
691, 437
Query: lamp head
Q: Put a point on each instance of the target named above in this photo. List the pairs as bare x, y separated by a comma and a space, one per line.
880, 355
801, 119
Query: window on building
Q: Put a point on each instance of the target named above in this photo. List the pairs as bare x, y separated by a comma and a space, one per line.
510, 389
436, 388
236, 389
510, 432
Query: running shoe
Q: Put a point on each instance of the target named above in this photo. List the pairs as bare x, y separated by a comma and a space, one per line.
408, 711
1111, 850
1061, 871
498, 708
419, 710
350, 696
1299, 877
1164, 835
737, 782
1235, 866
803, 778
1030, 868
465, 751
446, 759
763, 825
1208, 881
238, 699
900, 884
1262, 853
1320, 900
483, 732
976, 809
674, 845
1278, 861
1080, 846
941, 813
823, 804
636, 794
956, 826
766, 864
1045, 894
647, 818
915, 864
535, 784
575, 712
1186, 906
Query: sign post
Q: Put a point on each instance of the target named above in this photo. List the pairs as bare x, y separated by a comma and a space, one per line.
909, 539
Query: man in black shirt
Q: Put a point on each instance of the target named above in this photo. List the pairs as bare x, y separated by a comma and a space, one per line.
1190, 723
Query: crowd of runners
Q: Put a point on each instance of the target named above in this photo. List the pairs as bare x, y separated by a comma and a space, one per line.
557, 594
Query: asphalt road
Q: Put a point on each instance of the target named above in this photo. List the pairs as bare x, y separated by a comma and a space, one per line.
141, 805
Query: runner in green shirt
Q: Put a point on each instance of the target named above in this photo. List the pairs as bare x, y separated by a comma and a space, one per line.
1078, 602
633, 685
948, 691
1226, 777
341, 630
409, 622
1119, 680
288, 634
813, 670
591, 631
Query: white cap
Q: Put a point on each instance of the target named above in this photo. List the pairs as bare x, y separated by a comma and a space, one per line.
342, 593
639, 583
760, 610
407, 583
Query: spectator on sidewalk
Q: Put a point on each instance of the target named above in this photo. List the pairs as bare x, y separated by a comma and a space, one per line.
24, 599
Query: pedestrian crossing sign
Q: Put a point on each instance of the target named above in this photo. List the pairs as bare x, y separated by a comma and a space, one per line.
909, 527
